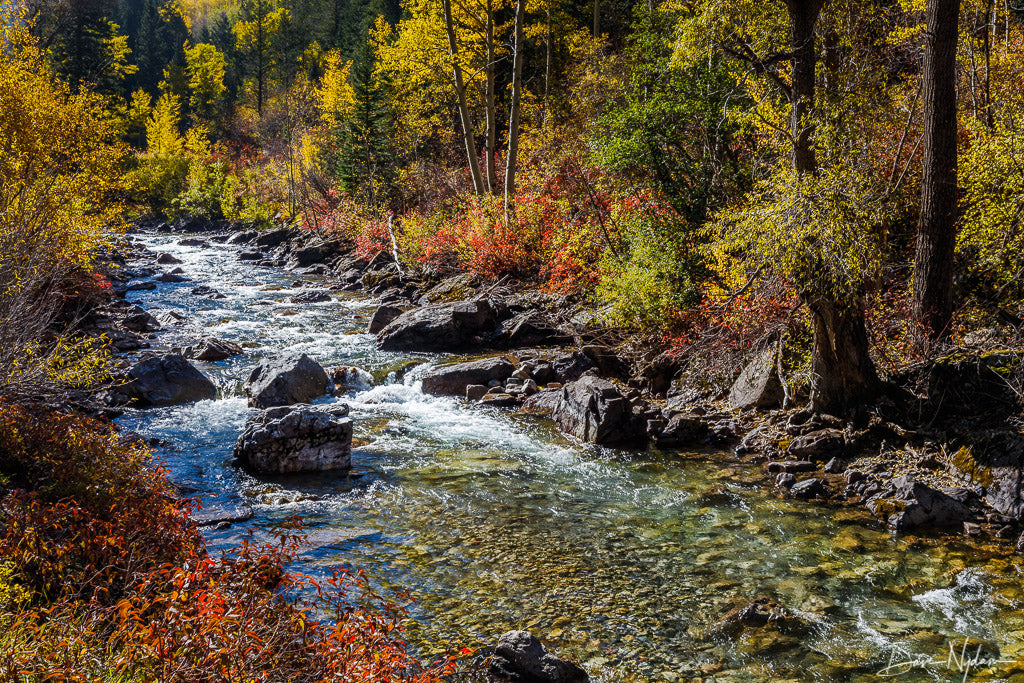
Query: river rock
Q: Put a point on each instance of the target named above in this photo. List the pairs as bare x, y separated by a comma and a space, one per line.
166, 259
758, 386
440, 327
542, 403
819, 445
167, 380
760, 613
286, 380
682, 429
350, 378
454, 288
211, 349
570, 367
138, 319
908, 504
452, 380
994, 459
297, 439
809, 488
207, 291
271, 239
382, 317
250, 255
521, 658
529, 328
314, 253
594, 410
311, 297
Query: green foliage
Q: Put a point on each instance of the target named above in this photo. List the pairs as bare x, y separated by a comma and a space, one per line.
205, 71
991, 241
654, 273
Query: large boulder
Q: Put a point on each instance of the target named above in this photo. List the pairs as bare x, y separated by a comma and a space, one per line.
594, 410
211, 349
167, 380
297, 439
521, 658
138, 319
908, 504
382, 317
529, 328
440, 327
758, 386
995, 460
286, 380
452, 380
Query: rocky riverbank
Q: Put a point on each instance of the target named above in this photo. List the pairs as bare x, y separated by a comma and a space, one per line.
941, 451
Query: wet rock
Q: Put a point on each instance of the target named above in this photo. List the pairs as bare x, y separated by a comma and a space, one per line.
193, 242
521, 658
683, 429
297, 439
222, 516
243, 237
542, 403
211, 349
166, 259
909, 504
854, 476
758, 386
312, 254
440, 327
171, 277
250, 255
593, 409
271, 239
785, 480
286, 380
475, 392
455, 288
350, 378
312, 297
499, 400
137, 319
170, 318
126, 341
149, 285
833, 466
761, 613
166, 380
809, 488
383, 316
207, 291
817, 445
452, 380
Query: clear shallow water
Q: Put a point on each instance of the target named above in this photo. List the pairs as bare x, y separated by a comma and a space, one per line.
620, 560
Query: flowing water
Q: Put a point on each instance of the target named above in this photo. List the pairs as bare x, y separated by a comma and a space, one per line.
621, 560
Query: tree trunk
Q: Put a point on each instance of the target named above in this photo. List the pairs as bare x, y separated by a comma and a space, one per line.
492, 123
460, 91
803, 16
936, 231
597, 19
548, 49
842, 372
513, 117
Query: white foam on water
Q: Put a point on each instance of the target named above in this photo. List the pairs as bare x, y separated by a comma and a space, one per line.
967, 605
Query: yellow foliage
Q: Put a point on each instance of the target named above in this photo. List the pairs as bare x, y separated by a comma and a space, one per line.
162, 136
335, 94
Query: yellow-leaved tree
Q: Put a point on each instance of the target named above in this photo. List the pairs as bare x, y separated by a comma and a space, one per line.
58, 177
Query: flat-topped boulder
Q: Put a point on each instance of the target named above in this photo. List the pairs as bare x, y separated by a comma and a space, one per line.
211, 349
452, 380
440, 327
302, 438
286, 380
167, 380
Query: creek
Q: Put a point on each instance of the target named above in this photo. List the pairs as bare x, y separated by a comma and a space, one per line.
620, 560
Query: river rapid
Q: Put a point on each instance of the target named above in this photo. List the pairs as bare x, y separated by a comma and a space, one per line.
620, 560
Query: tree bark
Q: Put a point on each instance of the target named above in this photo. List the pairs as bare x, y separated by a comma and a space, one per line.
842, 372
492, 123
936, 231
460, 91
803, 17
597, 18
513, 117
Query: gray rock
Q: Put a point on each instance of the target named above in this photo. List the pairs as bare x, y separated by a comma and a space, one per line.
297, 439
542, 403
498, 400
570, 367
211, 349
286, 380
995, 460
758, 386
250, 255
791, 466
167, 380
785, 480
171, 277
383, 316
909, 504
165, 259
141, 286
809, 488
271, 238
350, 378
311, 297
682, 429
440, 327
137, 319
819, 445
207, 291
521, 658
529, 328
594, 410
452, 380
475, 392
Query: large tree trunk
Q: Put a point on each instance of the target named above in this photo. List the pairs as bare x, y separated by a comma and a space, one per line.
492, 123
460, 91
842, 372
513, 117
803, 16
936, 232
